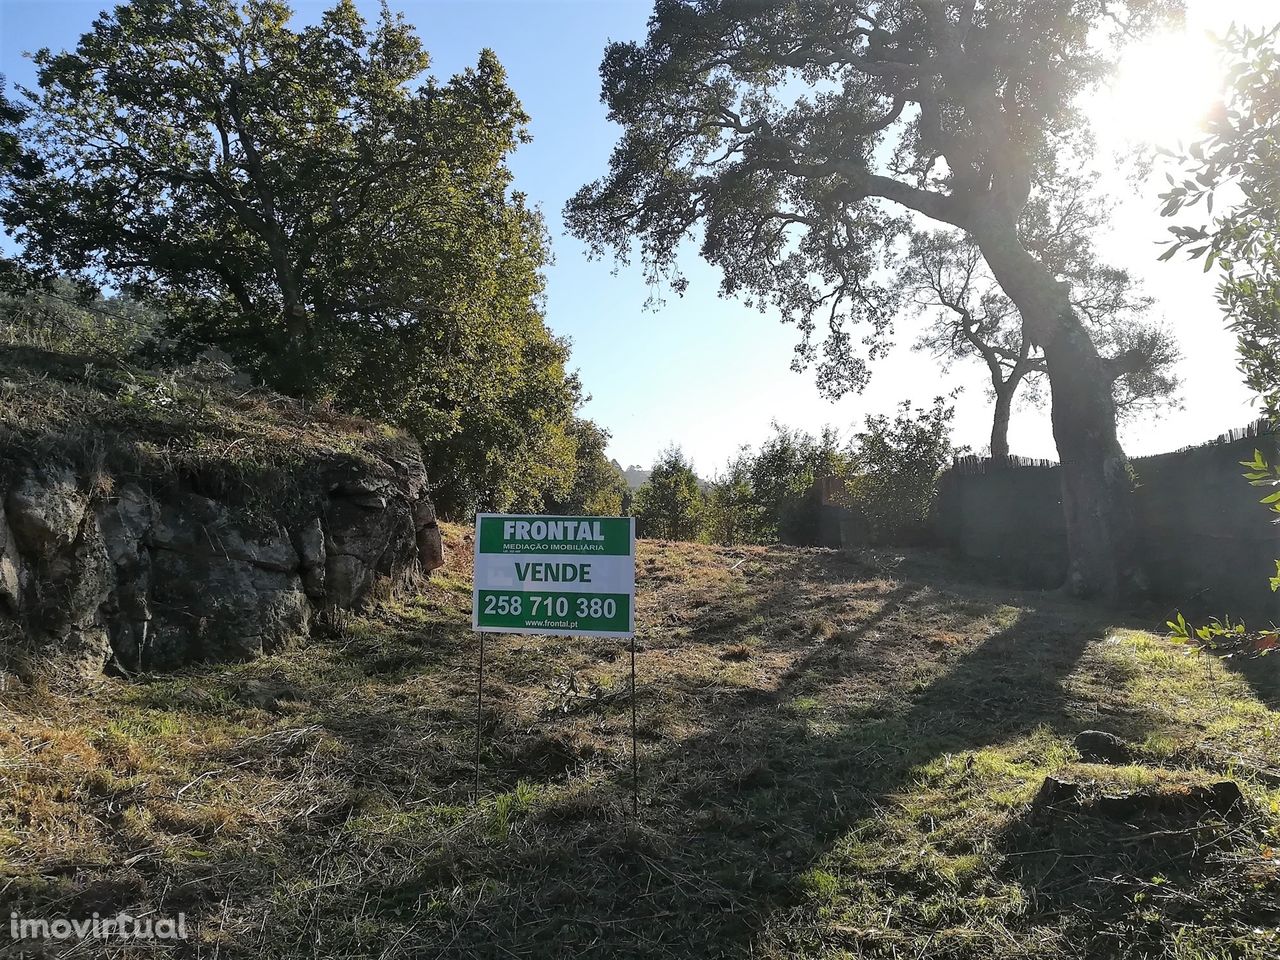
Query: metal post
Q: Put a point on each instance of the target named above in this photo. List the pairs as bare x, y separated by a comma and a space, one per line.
479, 713
635, 764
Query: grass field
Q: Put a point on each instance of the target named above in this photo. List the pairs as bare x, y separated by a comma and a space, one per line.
839, 757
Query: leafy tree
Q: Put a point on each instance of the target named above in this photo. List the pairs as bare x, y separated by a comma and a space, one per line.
599, 488
10, 117
803, 139
1240, 156
782, 476
731, 515
898, 463
765, 496
301, 198
969, 316
12, 160
669, 504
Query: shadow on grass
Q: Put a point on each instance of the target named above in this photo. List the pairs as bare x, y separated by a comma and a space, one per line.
736, 814
380, 850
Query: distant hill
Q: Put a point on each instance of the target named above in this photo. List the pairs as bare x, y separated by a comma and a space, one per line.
635, 474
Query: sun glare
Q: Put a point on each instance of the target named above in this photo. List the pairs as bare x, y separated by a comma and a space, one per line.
1162, 91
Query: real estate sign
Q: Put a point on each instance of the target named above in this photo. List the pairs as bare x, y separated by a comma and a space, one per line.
574, 576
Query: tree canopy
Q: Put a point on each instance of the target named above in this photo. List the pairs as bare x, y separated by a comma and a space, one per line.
598, 488
668, 506
302, 198
802, 141
898, 462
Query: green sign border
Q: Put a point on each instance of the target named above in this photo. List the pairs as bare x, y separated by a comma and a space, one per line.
526, 619
617, 532
619, 540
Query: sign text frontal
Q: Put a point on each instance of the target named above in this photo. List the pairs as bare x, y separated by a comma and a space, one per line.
603, 536
561, 575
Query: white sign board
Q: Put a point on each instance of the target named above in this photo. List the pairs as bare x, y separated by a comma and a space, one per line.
571, 576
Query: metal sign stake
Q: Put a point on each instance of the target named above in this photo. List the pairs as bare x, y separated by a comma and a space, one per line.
635, 764
479, 713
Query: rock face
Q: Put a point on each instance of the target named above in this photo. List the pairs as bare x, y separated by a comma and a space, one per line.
96, 572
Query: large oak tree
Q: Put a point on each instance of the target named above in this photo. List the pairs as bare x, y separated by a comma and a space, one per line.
308, 198
805, 138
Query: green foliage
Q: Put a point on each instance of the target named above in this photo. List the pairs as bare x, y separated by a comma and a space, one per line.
800, 145
11, 115
782, 478
599, 488
302, 198
1238, 162
669, 506
766, 496
60, 315
1261, 473
1225, 638
898, 462
731, 514
13, 276
799, 140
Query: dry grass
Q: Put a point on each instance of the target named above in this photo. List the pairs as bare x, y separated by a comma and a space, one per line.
246, 447
838, 756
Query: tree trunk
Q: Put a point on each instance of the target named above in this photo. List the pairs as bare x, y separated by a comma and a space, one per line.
1096, 483
1000, 423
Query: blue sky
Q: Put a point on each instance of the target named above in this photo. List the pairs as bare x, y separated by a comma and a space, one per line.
700, 371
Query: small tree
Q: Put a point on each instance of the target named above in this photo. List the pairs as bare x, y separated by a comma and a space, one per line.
898, 463
599, 488
669, 505
782, 477
731, 514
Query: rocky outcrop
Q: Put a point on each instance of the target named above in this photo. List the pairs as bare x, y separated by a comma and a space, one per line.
95, 573
150, 519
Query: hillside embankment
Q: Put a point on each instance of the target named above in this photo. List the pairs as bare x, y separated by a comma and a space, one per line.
149, 520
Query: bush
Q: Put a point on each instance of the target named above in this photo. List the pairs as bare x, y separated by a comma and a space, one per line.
898, 463
669, 506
